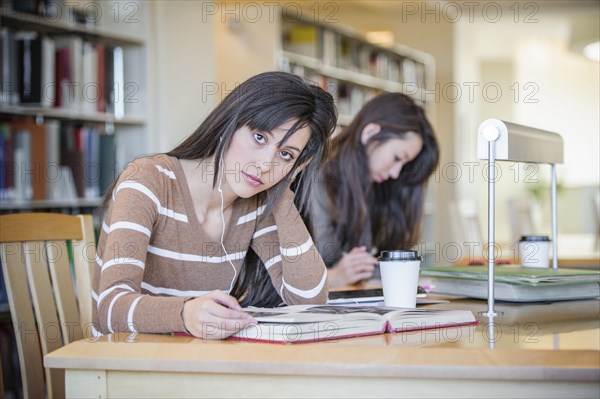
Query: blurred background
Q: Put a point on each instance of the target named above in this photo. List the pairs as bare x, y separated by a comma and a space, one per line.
529, 62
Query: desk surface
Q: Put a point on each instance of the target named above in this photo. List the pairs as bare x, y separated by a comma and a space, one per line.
542, 350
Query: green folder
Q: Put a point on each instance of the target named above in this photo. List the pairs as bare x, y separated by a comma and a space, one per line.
515, 274
515, 283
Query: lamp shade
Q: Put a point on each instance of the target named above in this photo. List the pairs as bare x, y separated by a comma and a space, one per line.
519, 143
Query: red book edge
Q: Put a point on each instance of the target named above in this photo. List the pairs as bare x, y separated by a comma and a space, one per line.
387, 329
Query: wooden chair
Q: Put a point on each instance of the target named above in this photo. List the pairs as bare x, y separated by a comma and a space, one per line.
49, 306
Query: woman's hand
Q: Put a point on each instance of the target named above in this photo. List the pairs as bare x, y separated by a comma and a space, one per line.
356, 265
215, 315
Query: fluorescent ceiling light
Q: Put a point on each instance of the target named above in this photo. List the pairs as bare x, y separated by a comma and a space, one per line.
381, 37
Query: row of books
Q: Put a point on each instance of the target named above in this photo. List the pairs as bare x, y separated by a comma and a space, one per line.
344, 52
62, 71
348, 97
54, 161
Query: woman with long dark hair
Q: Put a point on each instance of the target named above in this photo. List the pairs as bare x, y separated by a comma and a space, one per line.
372, 191
179, 228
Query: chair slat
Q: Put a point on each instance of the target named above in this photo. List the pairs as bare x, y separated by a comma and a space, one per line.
84, 265
39, 227
62, 281
44, 306
15, 279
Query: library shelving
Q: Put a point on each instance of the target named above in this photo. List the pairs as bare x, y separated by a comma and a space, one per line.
73, 100
350, 67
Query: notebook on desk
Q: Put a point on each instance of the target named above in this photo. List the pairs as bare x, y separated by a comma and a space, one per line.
515, 283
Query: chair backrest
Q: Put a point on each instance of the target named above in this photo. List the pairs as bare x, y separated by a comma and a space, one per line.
49, 305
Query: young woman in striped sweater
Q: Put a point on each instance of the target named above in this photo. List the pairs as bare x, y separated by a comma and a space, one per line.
183, 231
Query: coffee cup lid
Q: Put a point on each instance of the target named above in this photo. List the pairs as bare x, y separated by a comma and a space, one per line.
535, 238
399, 255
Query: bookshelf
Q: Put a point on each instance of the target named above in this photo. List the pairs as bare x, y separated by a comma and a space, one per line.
74, 80
351, 68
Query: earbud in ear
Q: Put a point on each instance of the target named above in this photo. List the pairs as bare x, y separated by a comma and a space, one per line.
221, 177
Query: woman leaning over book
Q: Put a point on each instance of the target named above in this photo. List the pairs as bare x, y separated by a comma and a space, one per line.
371, 194
180, 228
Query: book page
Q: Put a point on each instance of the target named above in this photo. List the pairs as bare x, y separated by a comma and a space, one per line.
316, 313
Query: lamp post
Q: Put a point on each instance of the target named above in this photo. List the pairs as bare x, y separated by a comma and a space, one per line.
498, 140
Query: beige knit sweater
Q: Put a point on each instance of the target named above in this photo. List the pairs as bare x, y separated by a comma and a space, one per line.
153, 254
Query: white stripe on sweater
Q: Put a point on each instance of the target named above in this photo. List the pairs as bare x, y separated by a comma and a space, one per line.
167, 172
299, 250
264, 231
110, 308
123, 261
252, 215
107, 291
144, 190
311, 293
130, 314
129, 226
172, 291
272, 261
165, 253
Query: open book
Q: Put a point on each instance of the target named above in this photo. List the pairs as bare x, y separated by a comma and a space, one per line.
515, 283
310, 323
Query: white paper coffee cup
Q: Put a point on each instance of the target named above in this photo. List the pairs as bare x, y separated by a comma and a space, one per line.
534, 251
400, 277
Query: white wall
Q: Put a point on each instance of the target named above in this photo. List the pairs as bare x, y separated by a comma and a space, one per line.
246, 42
543, 85
184, 70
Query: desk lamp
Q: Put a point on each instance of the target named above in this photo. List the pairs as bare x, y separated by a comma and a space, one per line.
504, 141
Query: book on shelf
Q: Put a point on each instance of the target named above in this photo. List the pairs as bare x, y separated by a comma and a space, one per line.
69, 72
302, 39
114, 81
312, 323
23, 184
7, 184
515, 283
36, 54
30, 159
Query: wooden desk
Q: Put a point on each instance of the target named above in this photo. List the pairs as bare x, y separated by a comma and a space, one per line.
540, 351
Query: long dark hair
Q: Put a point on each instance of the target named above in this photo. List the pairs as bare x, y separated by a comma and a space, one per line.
264, 102
386, 215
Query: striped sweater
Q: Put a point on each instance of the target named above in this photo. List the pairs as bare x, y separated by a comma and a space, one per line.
153, 254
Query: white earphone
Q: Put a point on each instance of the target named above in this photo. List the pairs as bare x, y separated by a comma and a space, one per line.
220, 190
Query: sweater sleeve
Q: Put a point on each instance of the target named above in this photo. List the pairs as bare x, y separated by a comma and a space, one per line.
122, 252
287, 250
